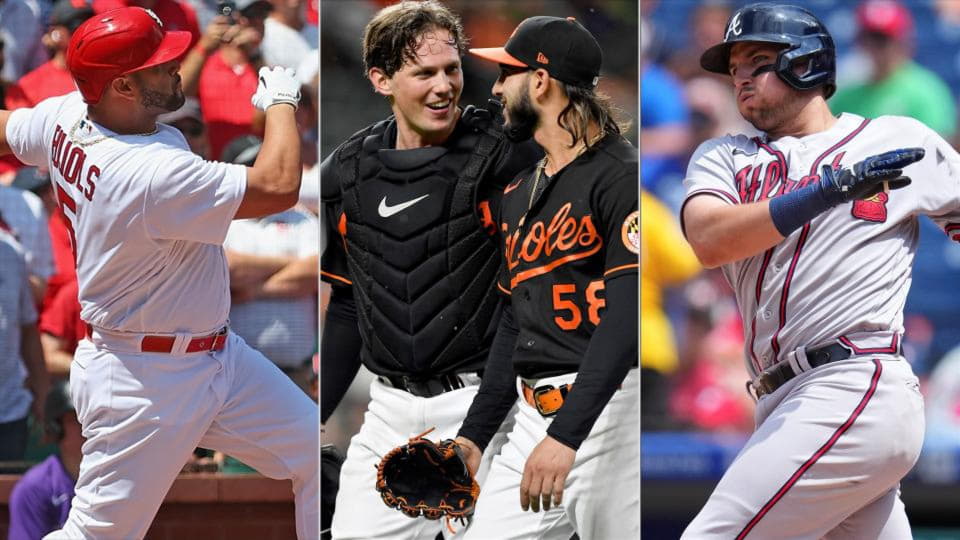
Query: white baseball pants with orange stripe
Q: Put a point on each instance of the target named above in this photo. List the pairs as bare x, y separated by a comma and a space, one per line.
826, 459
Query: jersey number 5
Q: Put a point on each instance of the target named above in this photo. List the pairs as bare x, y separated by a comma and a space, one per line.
65, 202
568, 315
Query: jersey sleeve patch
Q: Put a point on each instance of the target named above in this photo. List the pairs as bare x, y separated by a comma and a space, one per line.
630, 232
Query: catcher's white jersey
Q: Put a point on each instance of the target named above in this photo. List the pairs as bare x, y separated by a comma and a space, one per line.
845, 274
148, 218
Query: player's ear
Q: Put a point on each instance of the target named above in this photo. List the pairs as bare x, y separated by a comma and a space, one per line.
124, 87
539, 83
380, 81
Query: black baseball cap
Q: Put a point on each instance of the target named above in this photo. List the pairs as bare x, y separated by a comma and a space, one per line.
562, 46
31, 179
70, 13
242, 150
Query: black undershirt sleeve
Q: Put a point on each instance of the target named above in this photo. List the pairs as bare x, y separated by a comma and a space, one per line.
611, 353
339, 350
498, 390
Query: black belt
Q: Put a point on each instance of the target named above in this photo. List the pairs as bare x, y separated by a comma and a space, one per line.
420, 387
774, 376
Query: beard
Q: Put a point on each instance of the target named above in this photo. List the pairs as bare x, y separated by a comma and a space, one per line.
523, 119
772, 117
167, 101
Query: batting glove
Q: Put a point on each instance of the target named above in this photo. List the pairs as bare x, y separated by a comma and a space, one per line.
276, 85
867, 177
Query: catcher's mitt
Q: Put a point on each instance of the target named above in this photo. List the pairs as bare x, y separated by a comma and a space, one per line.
427, 478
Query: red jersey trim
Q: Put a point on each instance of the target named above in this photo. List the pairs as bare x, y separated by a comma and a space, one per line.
892, 349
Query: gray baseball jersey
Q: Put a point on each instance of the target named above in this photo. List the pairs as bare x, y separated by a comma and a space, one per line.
846, 273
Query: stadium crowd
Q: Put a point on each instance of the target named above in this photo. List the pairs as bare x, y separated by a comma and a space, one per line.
273, 261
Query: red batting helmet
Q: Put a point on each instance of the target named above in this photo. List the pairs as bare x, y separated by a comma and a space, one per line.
118, 42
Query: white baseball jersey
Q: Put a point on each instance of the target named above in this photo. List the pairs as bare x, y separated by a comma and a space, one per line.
148, 218
845, 274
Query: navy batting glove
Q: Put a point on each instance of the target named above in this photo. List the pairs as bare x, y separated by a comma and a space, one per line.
866, 178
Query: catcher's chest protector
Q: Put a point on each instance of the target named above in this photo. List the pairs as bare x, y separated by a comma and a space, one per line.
424, 268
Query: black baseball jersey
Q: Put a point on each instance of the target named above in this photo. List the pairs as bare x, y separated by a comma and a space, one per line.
562, 237
416, 240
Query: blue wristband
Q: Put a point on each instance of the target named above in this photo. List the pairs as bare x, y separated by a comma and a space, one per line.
791, 211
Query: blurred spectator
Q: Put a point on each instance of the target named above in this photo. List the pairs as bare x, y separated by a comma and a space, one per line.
707, 24
710, 393
23, 379
713, 111
189, 121
41, 499
308, 117
665, 259
21, 30
664, 130
229, 76
287, 38
52, 78
24, 214
942, 403
175, 14
897, 84
61, 329
274, 279
38, 182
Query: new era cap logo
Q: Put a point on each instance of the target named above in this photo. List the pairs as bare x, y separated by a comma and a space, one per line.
542, 58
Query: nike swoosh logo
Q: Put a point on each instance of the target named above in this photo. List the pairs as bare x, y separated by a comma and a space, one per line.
386, 210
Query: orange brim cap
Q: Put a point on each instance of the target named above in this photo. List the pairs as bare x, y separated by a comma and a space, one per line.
498, 55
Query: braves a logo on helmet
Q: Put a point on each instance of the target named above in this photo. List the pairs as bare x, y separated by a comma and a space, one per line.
733, 29
154, 16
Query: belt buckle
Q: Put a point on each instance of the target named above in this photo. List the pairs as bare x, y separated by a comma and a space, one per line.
763, 385
539, 391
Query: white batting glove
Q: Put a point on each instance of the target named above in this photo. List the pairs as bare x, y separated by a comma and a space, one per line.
276, 85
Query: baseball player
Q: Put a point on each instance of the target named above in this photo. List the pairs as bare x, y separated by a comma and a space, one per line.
160, 373
815, 227
571, 240
413, 265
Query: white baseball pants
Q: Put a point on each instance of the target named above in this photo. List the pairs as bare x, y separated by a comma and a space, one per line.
392, 418
144, 413
601, 497
826, 459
